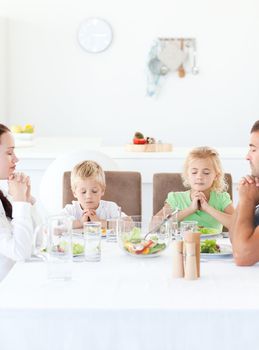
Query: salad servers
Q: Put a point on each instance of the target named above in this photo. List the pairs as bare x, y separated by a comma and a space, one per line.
157, 228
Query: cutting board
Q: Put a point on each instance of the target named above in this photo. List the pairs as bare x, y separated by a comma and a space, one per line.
153, 147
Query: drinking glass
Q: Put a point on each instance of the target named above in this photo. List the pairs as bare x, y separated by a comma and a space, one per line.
40, 242
113, 229
172, 223
188, 226
59, 257
92, 237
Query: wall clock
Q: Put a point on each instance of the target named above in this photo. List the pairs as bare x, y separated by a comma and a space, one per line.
94, 35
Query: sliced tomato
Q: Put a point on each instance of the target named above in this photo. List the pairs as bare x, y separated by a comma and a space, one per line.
145, 245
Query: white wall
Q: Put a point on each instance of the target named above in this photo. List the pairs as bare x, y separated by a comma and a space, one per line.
63, 90
3, 69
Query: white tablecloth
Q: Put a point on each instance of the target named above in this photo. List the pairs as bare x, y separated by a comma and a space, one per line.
130, 303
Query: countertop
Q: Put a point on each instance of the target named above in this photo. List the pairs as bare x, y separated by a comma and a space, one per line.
50, 148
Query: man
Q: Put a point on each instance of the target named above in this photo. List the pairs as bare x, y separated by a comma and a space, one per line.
245, 227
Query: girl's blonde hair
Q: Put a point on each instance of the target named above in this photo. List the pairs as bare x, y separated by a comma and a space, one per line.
219, 184
86, 169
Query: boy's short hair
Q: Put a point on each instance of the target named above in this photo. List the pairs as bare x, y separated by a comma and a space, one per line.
205, 152
86, 169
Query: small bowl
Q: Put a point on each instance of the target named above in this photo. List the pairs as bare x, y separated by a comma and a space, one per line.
24, 136
133, 238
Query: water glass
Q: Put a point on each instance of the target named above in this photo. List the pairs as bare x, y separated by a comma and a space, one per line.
92, 237
172, 223
113, 229
188, 226
59, 257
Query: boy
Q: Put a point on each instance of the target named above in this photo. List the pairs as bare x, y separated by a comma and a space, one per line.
88, 186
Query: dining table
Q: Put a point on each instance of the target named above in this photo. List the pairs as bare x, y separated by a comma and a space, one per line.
128, 302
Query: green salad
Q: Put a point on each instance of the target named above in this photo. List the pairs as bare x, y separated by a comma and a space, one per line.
207, 230
134, 244
210, 246
78, 248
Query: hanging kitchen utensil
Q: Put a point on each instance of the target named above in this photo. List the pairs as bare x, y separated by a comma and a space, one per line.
157, 67
171, 55
195, 68
181, 70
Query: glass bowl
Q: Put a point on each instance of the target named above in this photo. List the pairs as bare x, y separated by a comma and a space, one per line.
141, 239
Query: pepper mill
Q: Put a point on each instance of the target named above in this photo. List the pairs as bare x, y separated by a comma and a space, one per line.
194, 237
190, 272
178, 270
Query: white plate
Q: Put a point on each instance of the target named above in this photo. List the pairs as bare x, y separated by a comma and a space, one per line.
210, 235
225, 252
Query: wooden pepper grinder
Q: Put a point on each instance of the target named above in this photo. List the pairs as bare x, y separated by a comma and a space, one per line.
194, 237
190, 272
178, 270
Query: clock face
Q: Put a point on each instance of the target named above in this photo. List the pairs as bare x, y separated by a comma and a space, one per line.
94, 35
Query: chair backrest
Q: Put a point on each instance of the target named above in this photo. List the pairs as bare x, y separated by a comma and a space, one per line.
163, 183
122, 187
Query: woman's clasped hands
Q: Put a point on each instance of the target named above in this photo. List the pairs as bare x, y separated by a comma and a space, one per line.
19, 187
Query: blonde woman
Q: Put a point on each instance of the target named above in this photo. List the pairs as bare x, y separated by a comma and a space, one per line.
206, 200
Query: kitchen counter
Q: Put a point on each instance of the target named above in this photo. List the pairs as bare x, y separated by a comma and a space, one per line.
51, 148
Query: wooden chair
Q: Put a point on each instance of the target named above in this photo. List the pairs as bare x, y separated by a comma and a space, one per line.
163, 183
122, 187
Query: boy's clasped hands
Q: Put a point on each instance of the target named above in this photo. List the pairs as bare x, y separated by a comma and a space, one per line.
89, 215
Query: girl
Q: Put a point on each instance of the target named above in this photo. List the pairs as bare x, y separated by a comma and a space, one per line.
16, 226
206, 202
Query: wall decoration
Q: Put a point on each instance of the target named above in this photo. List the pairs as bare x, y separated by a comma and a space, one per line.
170, 55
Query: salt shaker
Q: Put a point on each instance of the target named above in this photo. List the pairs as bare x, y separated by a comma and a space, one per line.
178, 270
190, 272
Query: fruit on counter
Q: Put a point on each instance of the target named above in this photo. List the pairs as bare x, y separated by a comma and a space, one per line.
139, 135
18, 129
150, 140
139, 139
28, 128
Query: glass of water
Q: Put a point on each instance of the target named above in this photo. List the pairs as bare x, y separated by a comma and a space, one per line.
113, 229
92, 238
188, 226
59, 257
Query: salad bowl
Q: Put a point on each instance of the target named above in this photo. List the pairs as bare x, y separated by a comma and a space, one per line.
133, 238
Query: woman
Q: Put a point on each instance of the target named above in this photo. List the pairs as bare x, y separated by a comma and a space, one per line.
16, 224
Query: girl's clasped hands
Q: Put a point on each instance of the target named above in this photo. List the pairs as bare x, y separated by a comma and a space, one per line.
199, 201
